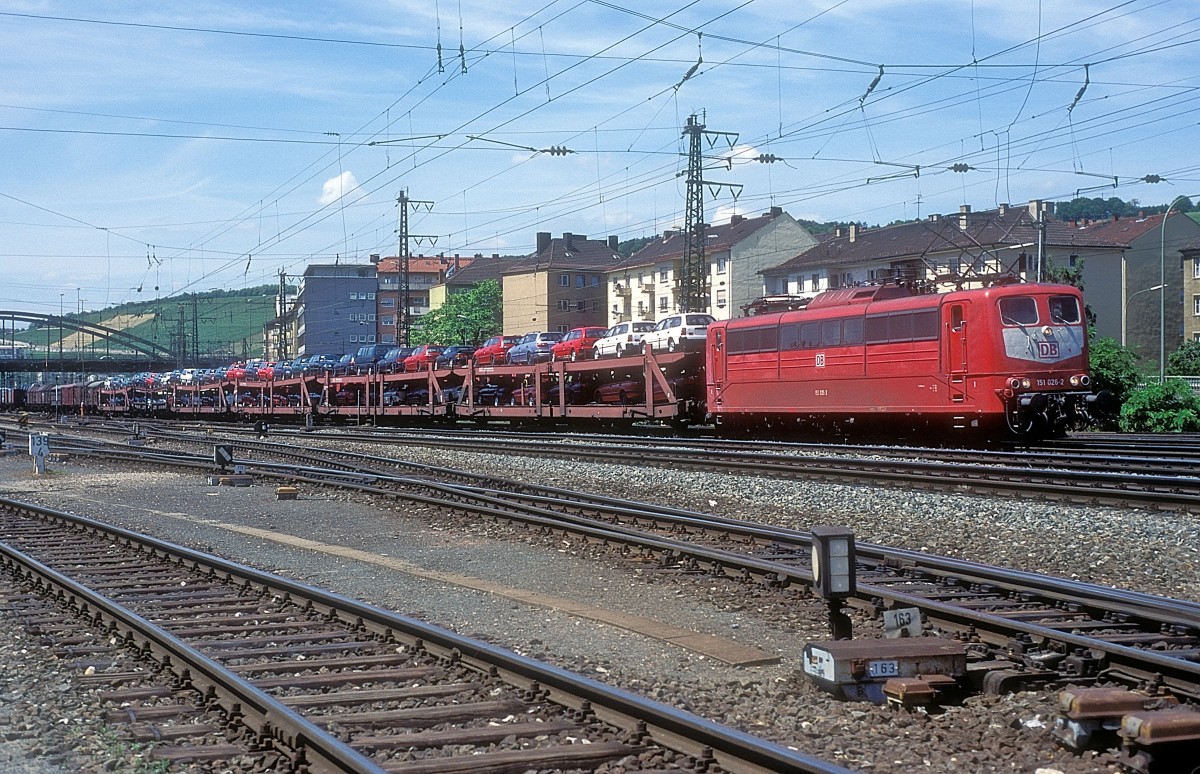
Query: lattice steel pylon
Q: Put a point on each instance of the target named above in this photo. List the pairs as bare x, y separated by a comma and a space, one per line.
693, 291
403, 202
695, 283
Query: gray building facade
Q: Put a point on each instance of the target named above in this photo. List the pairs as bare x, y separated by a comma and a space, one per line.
335, 311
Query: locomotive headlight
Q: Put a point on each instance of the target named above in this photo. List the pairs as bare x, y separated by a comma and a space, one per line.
1014, 383
1085, 380
1026, 384
1048, 332
1075, 381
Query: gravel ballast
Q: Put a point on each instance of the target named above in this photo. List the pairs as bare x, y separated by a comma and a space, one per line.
1145, 550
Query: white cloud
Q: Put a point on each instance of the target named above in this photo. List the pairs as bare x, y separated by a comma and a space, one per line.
337, 187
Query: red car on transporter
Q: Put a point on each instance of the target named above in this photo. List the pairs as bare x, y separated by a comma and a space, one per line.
577, 344
494, 351
421, 358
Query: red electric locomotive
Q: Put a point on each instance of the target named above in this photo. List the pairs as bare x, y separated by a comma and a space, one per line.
1008, 360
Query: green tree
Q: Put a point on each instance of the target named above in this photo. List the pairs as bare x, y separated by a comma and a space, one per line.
1185, 361
1114, 367
469, 316
1169, 407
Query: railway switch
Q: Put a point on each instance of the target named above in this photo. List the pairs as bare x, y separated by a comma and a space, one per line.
920, 670
1160, 741
1091, 717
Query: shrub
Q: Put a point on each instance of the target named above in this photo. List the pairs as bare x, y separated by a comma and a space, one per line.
1170, 407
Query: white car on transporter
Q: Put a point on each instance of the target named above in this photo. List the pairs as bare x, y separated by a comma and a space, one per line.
679, 332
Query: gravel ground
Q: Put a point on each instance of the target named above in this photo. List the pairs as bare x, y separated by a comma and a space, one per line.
1157, 553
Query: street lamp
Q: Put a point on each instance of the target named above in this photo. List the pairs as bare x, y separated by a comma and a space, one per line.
1162, 301
1125, 325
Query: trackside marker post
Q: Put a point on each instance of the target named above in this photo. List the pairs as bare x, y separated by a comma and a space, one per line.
39, 449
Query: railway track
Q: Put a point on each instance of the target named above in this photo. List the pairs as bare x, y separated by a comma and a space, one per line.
1029, 629
240, 665
1108, 476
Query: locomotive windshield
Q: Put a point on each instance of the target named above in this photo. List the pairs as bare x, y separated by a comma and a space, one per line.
1064, 310
1018, 310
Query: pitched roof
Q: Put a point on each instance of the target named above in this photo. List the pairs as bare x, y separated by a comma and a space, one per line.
1123, 230
1008, 227
420, 263
571, 251
722, 237
480, 269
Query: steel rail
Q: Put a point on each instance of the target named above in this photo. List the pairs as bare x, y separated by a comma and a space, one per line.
732, 749
1182, 676
307, 742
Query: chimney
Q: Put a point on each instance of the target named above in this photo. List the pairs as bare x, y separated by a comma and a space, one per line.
543, 241
964, 213
735, 219
1036, 207
853, 231
837, 232
668, 234
567, 237
374, 257
775, 212
1003, 207
613, 242
934, 217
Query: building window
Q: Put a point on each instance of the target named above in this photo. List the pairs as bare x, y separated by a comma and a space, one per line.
387, 303
1196, 267
563, 329
370, 296
662, 275
353, 296
353, 338
581, 306
371, 339
387, 319
387, 338
564, 280
580, 281
594, 280
370, 318
564, 305
722, 263
1196, 305
662, 304
816, 283
721, 296
595, 306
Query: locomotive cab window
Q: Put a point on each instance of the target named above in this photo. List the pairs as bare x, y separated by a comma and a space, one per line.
1064, 310
1018, 310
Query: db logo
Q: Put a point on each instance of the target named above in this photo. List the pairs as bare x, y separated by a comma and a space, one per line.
1047, 349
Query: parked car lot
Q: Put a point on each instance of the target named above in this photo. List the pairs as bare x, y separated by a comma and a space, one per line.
622, 339
679, 332
576, 344
534, 347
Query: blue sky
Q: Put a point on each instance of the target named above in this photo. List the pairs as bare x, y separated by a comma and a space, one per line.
158, 148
